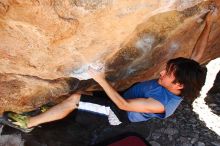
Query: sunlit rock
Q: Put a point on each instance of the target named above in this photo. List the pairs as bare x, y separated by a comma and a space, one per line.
46, 43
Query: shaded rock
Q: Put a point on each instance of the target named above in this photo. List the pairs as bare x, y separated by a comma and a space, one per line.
171, 131
156, 135
194, 140
11, 140
215, 143
200, 143
183, 140
28, 93
154, 143
212, 100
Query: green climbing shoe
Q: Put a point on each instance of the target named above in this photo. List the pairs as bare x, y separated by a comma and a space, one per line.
17, 121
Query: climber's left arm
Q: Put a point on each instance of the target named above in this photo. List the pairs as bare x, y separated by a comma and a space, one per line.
202, 41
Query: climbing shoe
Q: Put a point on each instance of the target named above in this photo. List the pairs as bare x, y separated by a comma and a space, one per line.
17, 121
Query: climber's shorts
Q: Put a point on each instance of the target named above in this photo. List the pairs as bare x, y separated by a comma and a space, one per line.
103, 106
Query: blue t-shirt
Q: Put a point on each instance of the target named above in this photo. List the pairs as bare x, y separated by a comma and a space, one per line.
153, 90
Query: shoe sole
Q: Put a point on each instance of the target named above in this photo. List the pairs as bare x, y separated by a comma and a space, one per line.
5, 121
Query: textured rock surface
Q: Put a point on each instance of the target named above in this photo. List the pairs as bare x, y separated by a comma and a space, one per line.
43, 42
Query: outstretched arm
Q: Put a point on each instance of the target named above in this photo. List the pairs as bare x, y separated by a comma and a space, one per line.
202, 41
136, 105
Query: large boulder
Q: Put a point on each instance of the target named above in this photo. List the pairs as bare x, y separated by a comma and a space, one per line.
46, 44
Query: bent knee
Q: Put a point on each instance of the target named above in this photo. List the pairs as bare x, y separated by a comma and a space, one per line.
76, 95
73, 99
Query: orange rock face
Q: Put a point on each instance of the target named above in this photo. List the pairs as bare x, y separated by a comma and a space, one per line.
45, 44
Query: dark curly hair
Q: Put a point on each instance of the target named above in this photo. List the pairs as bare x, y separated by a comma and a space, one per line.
189, 73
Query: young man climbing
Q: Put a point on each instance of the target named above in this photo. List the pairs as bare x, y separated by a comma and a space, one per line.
181, 79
